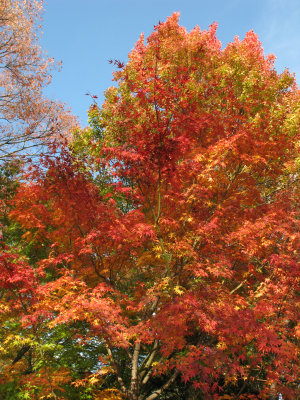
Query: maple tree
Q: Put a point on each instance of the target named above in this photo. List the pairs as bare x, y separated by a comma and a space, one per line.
27, 118
163, 241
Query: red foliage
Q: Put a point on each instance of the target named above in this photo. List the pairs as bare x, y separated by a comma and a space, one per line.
188, 258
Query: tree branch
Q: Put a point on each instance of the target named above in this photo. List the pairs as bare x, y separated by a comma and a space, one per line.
155, 394
115, 366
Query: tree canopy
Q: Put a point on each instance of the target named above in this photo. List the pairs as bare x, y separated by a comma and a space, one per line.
155, 257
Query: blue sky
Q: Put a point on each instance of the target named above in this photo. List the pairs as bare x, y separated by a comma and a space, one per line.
84, 35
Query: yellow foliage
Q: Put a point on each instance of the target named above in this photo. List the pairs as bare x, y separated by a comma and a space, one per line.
179, 290
109, 394
93, 380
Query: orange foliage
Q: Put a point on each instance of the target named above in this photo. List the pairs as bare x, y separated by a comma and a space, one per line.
183, 263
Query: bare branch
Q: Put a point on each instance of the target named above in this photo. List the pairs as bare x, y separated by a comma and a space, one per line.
155, 394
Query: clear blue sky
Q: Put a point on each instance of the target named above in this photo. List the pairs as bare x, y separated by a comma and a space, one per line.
84, 35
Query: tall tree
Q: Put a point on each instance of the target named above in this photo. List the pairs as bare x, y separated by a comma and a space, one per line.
27, 118
181, 262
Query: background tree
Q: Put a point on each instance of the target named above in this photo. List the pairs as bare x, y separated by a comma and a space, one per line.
181, 263
28, 122
27, 118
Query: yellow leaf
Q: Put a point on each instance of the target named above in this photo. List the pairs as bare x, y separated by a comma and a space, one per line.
179, 290
93, 380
